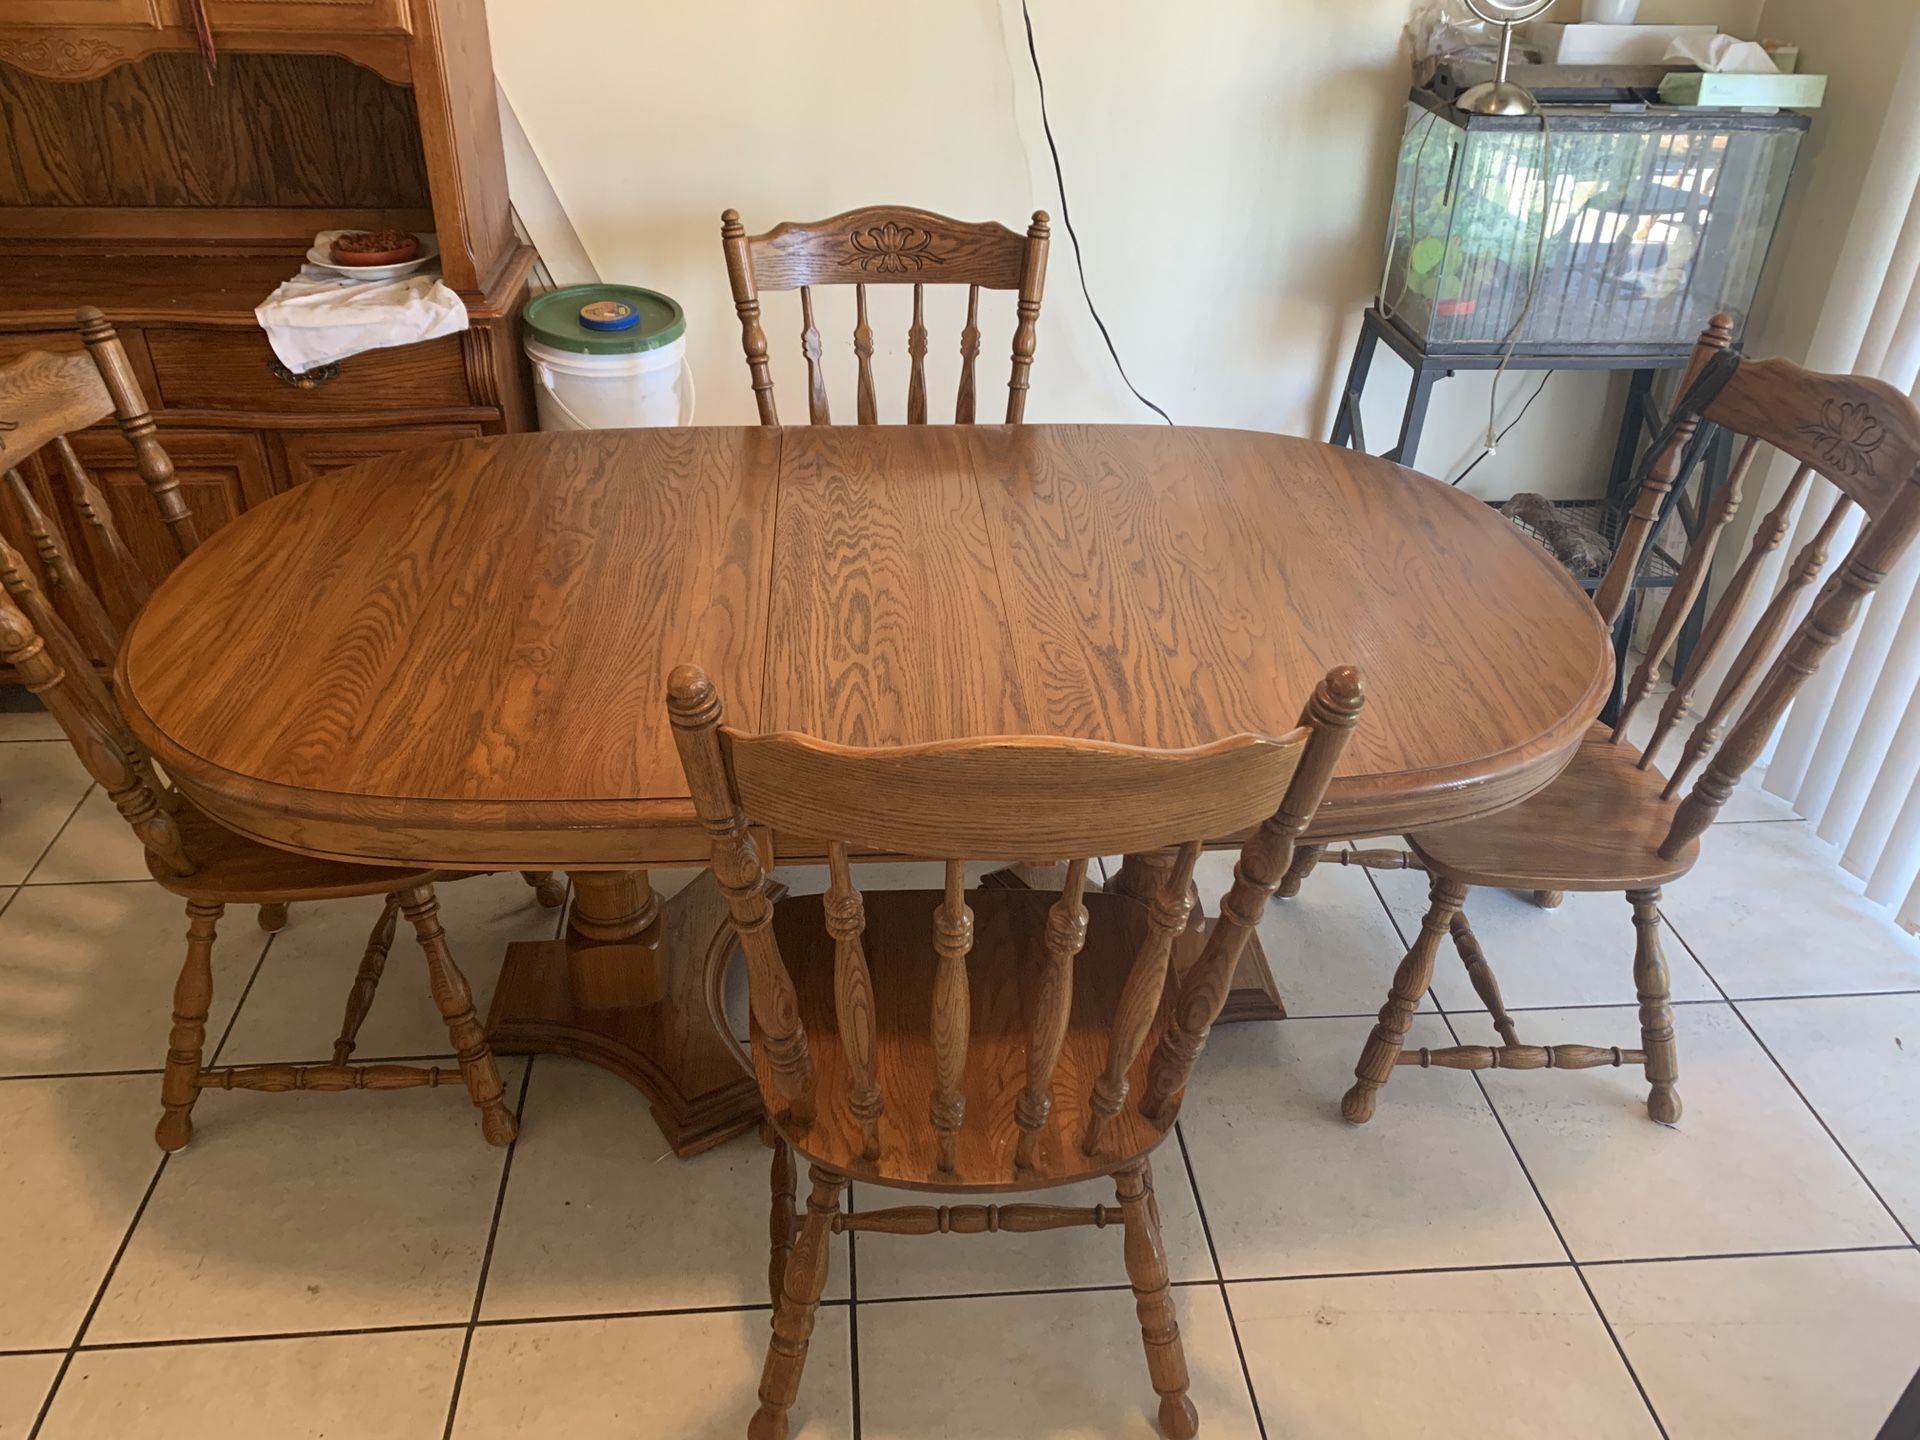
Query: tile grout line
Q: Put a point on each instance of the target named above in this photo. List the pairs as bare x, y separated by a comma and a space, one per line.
1219, 1281
47, 849
100, 1293
853, 1321
1794, 1085
486, 1256
1538, 1195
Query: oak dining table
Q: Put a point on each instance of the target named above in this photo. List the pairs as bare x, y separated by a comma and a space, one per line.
457, 657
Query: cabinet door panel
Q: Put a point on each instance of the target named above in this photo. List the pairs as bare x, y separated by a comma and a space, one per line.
221, 473
321, 452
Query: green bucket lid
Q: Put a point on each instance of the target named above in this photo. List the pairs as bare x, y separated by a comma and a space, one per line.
555, 319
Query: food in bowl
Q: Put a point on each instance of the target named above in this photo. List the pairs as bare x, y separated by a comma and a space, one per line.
374, 247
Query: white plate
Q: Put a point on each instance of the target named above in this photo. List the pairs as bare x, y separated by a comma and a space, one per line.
320, 255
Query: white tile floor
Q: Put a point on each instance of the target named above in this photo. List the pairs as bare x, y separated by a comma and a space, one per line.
1502, 1256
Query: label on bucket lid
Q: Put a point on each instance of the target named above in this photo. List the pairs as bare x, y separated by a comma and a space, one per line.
609, 315
604, 319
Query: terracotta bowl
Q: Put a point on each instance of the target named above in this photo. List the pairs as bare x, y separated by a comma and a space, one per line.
374, 247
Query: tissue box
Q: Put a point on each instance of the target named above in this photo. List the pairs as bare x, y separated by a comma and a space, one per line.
1608, 44
1786, 92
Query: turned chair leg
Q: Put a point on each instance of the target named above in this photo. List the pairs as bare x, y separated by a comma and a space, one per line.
192, 998
273, 918
549, 887
1549, 899
455, 1000
793, 1313
1410, 982
1305, 857
367, 979
780, 1223
1485, 985
1153, 1300
1656, 1013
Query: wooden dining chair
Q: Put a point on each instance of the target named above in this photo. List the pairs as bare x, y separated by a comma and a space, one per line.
1003, 1041
44, 400
886, 245
1612, 821
211, 867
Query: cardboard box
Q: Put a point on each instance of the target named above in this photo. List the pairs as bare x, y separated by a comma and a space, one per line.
1607, 44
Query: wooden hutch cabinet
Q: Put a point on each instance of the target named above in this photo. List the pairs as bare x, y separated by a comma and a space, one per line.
174, 202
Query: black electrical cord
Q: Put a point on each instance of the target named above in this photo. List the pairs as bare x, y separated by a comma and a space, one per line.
1066, 218
1509, 425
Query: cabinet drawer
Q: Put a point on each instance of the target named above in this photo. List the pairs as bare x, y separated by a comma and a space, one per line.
308, 457
321, 15
237, 370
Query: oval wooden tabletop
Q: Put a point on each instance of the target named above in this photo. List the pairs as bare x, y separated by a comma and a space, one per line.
457, 656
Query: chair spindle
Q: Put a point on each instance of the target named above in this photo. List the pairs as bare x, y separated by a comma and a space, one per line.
853, 995
818, 410
1752, 656
1047, 1024
90, 620
863, 352
1766, 539
1833, 614
94, 512
1687, 586
1617, 584
917, 352
952, 1011
1167, 911
963, 404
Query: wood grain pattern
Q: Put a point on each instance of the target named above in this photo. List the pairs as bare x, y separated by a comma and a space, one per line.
467, 566
269, 130
425, 615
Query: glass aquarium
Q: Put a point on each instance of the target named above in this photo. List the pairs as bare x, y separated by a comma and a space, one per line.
1619, 232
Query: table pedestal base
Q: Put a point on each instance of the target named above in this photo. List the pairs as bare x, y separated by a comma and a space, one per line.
632, 989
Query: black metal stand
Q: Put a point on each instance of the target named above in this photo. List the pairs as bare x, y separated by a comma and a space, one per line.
1639, 425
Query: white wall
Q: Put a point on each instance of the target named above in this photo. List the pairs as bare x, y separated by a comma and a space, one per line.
1229, 166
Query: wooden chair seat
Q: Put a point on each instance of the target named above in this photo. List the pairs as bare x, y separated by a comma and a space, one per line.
230, 869
1004, 972
1599, 826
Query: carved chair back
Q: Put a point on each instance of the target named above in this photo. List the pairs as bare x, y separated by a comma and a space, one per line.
1001, 799
886, 245
1860, 435
44, 399
98, 731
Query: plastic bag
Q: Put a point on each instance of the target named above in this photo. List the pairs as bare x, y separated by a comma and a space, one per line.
1448, 30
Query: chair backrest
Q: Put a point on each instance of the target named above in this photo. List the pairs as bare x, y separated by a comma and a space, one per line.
1003, 799
1860, 435
886, 245
93, 722
44, 399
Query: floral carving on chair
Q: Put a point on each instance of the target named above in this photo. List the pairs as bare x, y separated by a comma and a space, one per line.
1846, 436
893, 248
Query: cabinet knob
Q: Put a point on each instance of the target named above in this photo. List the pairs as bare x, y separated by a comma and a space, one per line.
303, 380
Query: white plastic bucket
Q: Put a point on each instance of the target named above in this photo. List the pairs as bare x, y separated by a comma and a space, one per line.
573, 391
